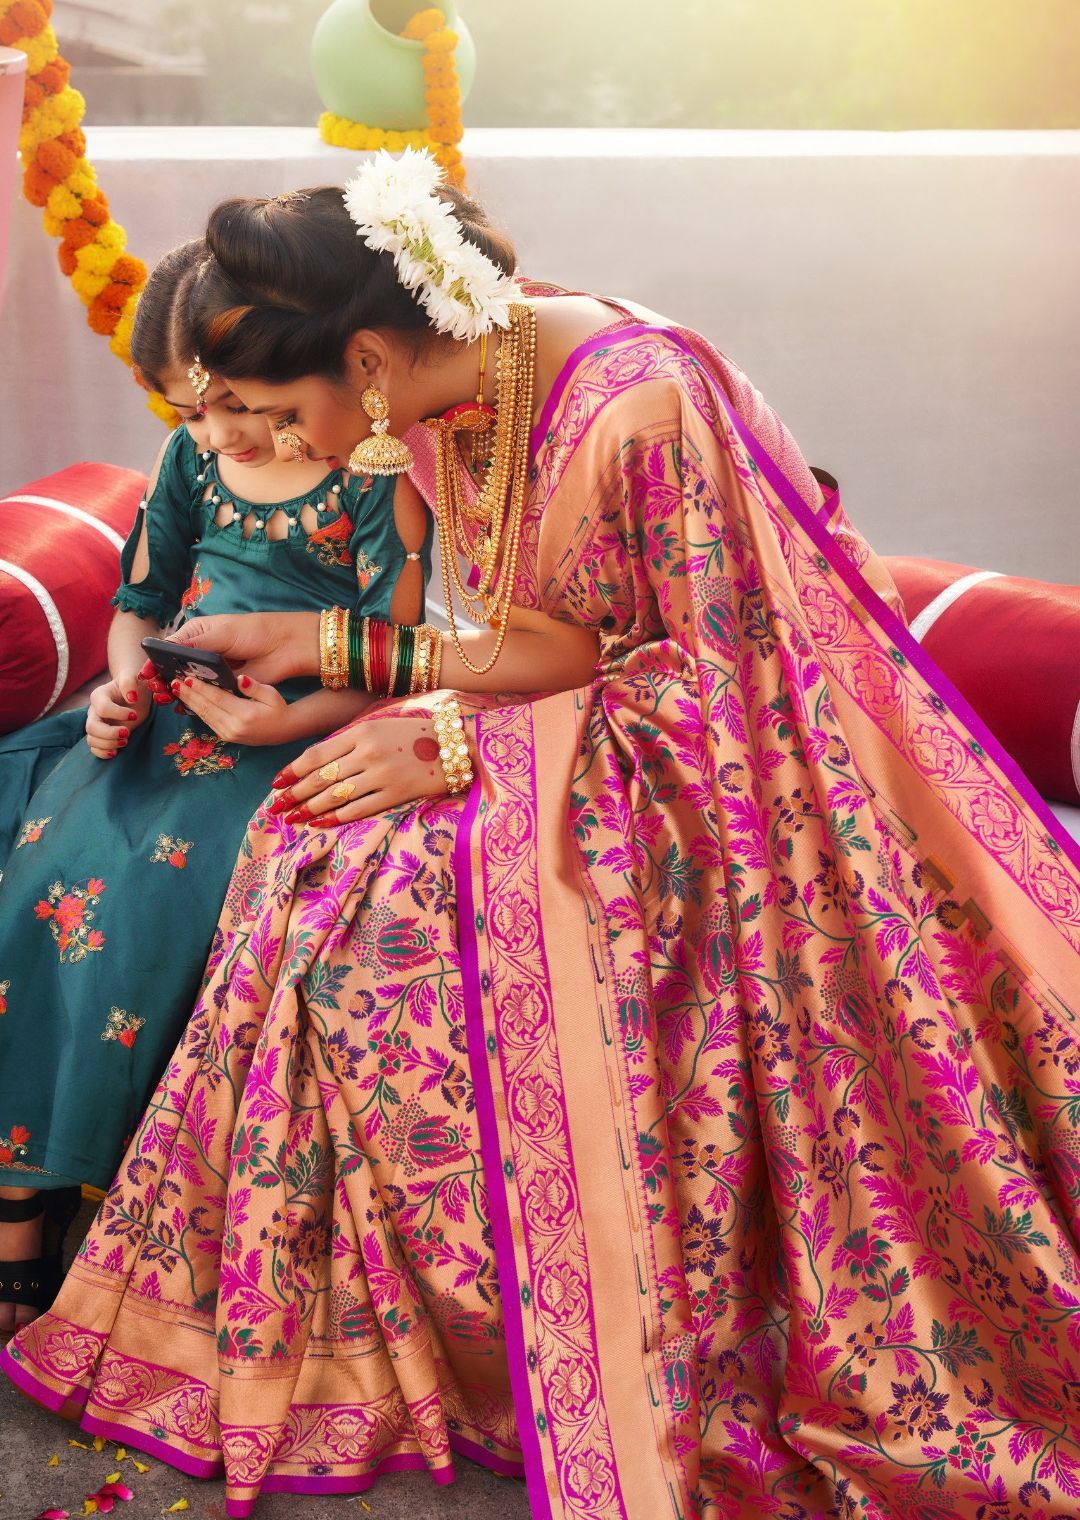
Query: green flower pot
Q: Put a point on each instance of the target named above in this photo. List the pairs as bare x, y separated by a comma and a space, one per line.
364, 70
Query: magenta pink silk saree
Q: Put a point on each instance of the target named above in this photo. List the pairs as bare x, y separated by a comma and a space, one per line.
690, 1117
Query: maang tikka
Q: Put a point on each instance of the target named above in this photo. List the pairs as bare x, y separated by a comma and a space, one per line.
200, 378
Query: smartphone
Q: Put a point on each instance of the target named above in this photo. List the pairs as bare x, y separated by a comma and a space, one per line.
175, 661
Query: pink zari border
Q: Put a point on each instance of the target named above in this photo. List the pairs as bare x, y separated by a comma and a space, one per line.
281, 1483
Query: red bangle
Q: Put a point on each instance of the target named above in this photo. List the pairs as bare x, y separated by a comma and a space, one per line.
380, 673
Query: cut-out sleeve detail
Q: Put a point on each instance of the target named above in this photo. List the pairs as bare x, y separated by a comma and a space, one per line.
375, 544
165, 529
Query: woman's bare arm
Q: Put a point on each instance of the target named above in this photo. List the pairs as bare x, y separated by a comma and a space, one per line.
538, 654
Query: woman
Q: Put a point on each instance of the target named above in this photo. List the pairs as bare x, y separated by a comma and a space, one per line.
684, 1111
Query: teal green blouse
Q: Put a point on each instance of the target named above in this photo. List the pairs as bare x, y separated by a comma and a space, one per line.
351, 558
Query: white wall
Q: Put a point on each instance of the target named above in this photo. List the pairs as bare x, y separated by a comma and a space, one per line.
907, 301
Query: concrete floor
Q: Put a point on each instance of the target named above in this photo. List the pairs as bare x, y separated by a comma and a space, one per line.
29, 1436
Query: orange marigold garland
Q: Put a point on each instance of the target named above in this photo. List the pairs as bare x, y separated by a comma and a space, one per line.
442, 97
58, 177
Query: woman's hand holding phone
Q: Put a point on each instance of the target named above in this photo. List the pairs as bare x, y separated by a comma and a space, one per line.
259, 716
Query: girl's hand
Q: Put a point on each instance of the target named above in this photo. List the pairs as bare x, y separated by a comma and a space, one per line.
268, 646
115, 709
386, 762
261, 716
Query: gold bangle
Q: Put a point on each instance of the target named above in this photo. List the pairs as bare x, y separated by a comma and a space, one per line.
391, 687
436, 660
420, 661
323, 619
340, 647
334, 664
329, 663
428, 647
344, 621
365, 653
453, 750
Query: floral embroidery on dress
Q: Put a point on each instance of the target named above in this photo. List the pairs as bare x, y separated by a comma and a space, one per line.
170, 851
4, 986
69, 913
13, 1144
366, 569
122, 1026
196, 590
199, 755
31, 831
330, 544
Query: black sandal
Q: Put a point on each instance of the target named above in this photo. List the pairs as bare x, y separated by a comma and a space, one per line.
36, 1282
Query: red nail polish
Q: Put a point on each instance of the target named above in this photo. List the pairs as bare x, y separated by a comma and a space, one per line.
132, 717
133, 696
298, 815
162, 698
188, 681
245, 682
123, 733
286, 777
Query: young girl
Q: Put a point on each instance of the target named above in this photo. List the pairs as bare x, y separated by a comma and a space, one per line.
119, 863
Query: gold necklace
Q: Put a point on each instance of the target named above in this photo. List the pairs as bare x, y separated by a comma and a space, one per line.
487, 531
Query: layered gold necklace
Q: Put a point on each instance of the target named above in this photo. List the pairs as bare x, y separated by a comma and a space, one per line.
486, 530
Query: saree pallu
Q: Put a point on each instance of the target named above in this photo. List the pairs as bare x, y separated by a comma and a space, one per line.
691, 1115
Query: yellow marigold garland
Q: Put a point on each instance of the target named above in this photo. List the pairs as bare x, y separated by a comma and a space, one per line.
58, 177
442, 96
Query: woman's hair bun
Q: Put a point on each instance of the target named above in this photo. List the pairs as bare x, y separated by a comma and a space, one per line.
477, 227
290, 280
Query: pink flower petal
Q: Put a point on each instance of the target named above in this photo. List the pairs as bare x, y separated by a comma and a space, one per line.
53, 1514
118, 1491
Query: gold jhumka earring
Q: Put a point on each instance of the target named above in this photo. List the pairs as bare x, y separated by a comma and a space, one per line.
200, 378
380, 453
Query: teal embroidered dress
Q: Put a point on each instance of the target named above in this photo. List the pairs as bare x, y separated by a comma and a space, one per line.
116, 871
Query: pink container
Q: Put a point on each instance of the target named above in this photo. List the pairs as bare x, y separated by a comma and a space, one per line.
12, 85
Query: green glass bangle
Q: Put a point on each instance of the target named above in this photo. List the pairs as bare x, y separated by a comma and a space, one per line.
356, 662
406, 650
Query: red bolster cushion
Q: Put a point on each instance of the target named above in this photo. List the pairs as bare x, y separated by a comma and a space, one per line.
1012, 648
60, 542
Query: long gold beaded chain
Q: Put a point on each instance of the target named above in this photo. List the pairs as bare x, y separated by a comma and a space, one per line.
496, 515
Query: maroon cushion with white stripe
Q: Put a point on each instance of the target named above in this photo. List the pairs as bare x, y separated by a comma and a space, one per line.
60, 542
1012, 648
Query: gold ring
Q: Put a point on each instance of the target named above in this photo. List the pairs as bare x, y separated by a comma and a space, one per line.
343, 791
330, 771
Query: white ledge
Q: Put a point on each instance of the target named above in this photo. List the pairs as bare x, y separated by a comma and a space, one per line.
906, 300
170, 144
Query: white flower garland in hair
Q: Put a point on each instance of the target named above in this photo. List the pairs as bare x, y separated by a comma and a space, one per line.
396, 210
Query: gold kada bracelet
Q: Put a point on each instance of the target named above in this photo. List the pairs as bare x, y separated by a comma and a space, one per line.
453, 750
334, 647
